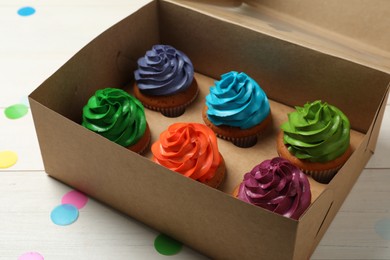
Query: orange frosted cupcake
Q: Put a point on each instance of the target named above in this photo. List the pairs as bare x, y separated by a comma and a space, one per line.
191, 149
316, 138
118, 116
164, 81
237, 109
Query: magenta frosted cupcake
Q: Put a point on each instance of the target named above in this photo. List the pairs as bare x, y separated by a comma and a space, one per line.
278, 186
164, 81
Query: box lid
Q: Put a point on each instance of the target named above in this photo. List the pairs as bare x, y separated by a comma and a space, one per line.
353, 30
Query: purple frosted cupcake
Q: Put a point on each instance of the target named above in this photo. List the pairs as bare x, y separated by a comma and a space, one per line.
278, 186
164, 81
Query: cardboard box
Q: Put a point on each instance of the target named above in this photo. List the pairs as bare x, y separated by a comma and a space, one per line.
294, 60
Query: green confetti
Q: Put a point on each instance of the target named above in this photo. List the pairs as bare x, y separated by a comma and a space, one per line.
16, 111
166, 245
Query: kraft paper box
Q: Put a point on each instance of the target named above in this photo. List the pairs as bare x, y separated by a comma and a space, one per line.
295, 56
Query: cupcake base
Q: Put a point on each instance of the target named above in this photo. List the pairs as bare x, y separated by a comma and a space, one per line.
243, 138
142, 143
219, 175
170, 105
321, 172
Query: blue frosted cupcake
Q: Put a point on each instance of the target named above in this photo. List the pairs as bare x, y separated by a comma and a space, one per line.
164, 80
237, 109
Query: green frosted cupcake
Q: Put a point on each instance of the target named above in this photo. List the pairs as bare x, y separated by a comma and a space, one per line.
316, 138
118, 116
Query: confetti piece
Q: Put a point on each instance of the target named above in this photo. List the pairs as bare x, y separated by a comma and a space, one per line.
382, 228
75, 198
31, 256
166, 245
7, 159
26, 11
64, 214
16, 111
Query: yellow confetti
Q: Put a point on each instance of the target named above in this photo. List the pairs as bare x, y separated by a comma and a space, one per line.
7, 159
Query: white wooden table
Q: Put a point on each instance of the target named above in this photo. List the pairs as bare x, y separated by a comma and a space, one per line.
31, 49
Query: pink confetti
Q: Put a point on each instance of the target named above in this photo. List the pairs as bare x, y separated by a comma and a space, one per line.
31, 256
76, 198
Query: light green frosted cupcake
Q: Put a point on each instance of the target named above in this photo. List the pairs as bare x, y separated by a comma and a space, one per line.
316, 138
118, 116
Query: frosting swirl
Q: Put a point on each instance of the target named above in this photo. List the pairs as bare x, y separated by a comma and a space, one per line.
237, 100
317, 132
277, 185
116, 115
164, 71
190, 149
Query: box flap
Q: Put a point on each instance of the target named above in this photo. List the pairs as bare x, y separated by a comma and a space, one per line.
367, 22
328, 27
279, 66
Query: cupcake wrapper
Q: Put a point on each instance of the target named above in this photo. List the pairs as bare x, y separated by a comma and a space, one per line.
243, 142
173, 111
322, 176
170, 111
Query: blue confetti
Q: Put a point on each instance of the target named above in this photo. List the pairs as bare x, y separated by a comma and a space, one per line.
382, 227
64, 214
26, 11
